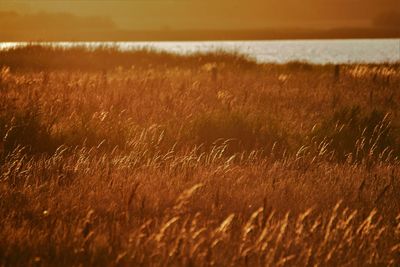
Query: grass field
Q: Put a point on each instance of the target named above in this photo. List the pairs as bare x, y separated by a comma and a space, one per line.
145, 158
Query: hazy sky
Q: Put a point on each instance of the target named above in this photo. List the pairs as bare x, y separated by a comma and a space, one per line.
217, 14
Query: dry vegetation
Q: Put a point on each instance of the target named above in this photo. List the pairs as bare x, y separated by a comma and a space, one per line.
150, 159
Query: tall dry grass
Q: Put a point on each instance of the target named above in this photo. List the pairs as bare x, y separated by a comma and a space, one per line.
209, 160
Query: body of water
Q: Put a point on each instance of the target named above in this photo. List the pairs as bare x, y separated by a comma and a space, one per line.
278, 51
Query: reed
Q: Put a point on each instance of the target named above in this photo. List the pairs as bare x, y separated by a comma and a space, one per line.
202, 160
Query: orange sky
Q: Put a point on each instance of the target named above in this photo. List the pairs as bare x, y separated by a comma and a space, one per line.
217, 14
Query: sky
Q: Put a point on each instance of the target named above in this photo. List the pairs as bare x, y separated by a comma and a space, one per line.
144, 15
216, 14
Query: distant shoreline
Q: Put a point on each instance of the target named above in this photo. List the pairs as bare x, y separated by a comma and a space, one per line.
201, 35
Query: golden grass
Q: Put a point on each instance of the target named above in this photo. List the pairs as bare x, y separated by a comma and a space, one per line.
211, 162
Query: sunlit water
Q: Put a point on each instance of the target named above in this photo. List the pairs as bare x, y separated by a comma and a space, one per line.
314, 51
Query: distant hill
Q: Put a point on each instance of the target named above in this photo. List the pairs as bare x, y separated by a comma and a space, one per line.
68, 27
